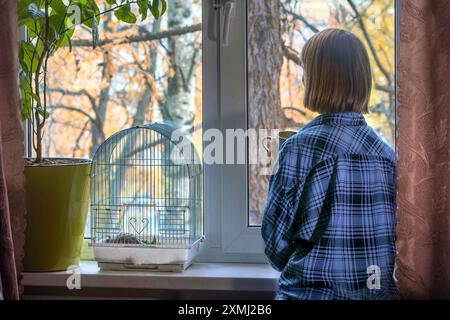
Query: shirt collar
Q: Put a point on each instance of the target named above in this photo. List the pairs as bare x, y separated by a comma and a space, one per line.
344, 119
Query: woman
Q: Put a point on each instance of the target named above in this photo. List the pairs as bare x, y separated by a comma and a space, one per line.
329, 222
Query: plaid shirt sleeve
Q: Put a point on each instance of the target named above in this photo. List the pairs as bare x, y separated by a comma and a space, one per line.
279, 222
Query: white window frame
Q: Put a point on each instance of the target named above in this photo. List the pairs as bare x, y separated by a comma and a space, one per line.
229, 238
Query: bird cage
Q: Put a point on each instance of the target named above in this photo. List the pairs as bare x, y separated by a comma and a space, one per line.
146, 200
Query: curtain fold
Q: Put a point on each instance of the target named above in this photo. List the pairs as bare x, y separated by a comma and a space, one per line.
8, 273
424, 150
12, 141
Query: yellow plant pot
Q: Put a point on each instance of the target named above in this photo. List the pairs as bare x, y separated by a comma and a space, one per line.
57, 207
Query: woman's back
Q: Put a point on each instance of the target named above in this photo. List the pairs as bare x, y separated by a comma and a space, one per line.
334, 200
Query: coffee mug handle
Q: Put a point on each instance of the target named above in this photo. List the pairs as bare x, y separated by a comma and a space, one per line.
264, 143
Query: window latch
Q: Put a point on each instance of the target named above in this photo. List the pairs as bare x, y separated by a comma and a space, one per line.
220, 15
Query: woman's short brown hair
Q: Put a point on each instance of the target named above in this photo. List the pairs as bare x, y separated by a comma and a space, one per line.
337, 73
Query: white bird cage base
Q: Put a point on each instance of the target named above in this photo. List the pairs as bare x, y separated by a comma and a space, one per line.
128, 258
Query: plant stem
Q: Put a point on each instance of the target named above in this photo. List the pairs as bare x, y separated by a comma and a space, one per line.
42, 63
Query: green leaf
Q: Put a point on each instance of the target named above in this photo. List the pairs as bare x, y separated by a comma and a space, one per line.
111, 2
35, 98
59, 19
65, 39
69, 41
93, 5
33, 27
58, 7
42, 112
22, 12
88, 10
24, 62
25, 95
158, 8
29, 55
26, 107
23, 5
56, 26
154, 8
87, 16
124, 14
36, 28
143, 9
163, 7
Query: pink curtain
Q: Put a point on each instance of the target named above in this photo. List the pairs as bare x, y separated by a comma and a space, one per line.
12, 192
424, 150
8, 272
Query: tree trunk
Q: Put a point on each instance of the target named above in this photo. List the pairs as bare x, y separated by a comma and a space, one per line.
179, 106
265, 60
115, 184
98, 135
146, 97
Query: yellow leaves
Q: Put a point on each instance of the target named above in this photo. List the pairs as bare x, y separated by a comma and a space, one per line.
126, 70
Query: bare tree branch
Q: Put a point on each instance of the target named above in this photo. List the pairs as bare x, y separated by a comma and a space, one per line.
193, 62
382, 88
82, 92
292, 55
69, 108
302, 19
80, 111
288, 52
148, 78
150, 36
77, 141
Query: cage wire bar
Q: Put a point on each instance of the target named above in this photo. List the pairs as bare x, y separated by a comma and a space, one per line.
146, 190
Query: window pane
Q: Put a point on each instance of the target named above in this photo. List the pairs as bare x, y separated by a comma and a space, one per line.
94, 93
275, 87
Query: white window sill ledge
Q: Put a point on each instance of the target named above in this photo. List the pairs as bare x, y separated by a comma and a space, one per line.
199, 276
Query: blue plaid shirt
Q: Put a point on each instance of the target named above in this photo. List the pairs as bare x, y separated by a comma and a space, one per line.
329, 222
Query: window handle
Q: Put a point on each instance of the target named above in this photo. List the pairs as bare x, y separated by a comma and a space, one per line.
220, 14
213, 9
228, 10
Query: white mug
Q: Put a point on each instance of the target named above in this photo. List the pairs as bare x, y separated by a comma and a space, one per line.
282, 137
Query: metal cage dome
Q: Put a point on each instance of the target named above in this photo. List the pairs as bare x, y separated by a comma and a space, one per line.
146, 193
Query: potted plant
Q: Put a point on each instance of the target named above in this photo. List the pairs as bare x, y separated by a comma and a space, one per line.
57, 189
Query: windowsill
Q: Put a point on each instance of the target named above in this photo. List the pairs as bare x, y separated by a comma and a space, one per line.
220, 277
